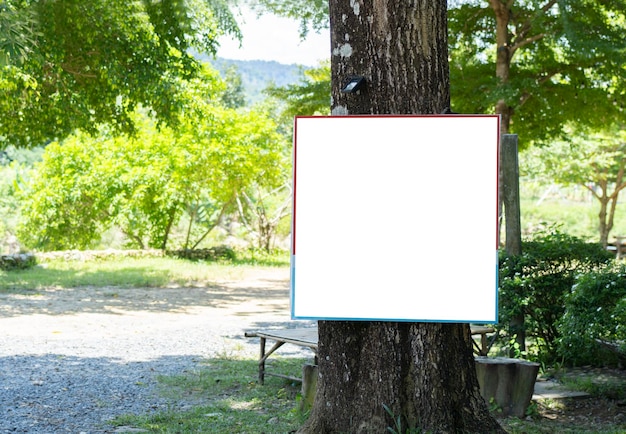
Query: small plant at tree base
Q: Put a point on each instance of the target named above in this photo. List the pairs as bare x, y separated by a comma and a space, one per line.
494, 407
532, 410
397, 421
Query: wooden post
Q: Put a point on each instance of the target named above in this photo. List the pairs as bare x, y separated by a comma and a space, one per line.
510, 194
309, 386
262, 362
513, 226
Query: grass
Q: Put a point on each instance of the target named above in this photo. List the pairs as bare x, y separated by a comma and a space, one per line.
609, 388
578, 218
133, 272
223, 396
226, 398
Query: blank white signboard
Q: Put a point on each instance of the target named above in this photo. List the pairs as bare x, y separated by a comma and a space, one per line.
395, 218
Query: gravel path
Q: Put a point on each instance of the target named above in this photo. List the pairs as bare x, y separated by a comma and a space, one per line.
71, 360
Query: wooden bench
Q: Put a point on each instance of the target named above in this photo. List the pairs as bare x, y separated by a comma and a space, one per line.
307, 337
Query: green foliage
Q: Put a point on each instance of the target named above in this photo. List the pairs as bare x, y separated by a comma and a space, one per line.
17, 35
309, 97
563, 55
594, 161
143, 184
132, 269
20, 261
234, 96
537, 283
82, 64
263, 212
595, 310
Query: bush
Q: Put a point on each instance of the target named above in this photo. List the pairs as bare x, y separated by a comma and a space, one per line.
20, 261
595, 319
536, 283
210, 254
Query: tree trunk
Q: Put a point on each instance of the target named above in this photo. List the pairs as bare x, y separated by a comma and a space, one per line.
503, 59
604, 227
379, 375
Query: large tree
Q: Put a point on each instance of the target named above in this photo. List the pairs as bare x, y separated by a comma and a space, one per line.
73, 64
379, 375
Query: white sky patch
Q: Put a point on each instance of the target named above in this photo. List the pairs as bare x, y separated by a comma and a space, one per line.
269, 37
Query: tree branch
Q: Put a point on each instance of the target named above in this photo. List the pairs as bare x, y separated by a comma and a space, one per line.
217, 221
526, 41
590, 188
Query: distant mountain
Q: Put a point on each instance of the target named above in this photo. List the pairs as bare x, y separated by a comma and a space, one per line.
258, 74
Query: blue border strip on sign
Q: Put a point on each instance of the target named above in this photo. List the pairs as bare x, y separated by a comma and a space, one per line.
292, 296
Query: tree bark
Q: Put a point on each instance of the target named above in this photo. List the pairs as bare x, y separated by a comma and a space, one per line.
379, 375
504, 54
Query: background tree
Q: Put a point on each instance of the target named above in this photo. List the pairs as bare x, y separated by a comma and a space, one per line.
234, 96
424, 374
308, 97
540, 64
594, 161
74, 64
262, 211
144, 183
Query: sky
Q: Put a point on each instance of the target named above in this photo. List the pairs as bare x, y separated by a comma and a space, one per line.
274, 38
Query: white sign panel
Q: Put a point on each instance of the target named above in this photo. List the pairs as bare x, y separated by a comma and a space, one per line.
395, 218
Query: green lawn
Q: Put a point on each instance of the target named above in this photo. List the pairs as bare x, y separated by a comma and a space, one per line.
132, 272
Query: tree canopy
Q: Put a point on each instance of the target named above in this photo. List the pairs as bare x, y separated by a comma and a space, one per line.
540, 64
147, 183
70, 64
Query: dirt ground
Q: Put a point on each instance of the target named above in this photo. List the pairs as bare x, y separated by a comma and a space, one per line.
600, 413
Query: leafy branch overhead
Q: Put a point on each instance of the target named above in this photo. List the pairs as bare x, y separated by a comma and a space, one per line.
76, 65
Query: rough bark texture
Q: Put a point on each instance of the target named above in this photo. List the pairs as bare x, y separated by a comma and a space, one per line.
422, 374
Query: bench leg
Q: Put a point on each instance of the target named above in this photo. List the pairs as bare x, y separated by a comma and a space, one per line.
264, 357
262, 362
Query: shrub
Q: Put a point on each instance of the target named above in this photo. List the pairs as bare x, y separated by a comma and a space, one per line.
536, 283
210, 254
20, 261
595, 319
